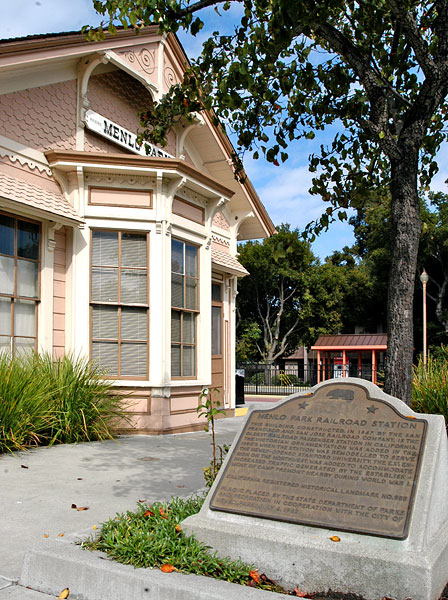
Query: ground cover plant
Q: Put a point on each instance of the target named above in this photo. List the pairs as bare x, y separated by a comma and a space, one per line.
152, 536
45, 401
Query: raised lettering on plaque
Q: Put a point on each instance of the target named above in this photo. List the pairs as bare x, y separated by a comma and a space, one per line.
336, 458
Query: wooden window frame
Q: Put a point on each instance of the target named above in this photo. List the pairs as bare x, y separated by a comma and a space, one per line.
218, 304
120, 305
15, 296
182, 311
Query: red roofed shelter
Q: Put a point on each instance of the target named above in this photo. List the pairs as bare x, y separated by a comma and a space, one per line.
343, 354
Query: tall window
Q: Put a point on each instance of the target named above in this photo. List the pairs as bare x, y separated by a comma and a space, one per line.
216, 320
19, 283
185, 308
119, 303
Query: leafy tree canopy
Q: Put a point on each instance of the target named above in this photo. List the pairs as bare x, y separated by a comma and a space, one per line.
292, 68
376, 69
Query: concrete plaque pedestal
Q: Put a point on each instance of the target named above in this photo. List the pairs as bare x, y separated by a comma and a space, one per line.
304, 556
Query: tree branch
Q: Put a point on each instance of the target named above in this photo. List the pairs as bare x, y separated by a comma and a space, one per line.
408, 23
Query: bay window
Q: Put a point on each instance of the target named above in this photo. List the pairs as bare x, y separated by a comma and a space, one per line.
184, 308
119, 303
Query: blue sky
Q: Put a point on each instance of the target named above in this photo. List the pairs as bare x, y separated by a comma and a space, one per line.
283, 190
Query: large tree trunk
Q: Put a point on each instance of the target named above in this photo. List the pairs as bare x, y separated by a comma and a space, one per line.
406, 228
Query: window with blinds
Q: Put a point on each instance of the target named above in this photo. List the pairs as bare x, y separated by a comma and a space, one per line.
119, 303
216, 319
19, 283
185, 308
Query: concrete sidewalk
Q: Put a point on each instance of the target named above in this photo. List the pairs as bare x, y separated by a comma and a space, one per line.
38, 488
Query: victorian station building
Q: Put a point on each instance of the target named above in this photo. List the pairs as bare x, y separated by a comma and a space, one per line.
122, 253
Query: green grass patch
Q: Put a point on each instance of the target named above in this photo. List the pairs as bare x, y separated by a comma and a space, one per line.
152, 537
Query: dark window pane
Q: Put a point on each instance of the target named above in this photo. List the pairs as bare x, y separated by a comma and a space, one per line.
216, 292
177, 256
28, 240
6, 235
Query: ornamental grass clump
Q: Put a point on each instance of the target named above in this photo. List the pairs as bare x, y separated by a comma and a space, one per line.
84, 405
430, 385
25, 415
45, 401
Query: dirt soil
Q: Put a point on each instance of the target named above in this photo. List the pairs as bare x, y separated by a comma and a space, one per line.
338, 596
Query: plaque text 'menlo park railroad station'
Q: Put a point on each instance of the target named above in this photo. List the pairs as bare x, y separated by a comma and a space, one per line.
336, 459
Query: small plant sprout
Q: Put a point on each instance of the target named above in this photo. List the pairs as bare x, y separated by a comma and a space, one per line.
209, 409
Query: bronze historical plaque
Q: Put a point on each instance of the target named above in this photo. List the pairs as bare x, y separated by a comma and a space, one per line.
336, 458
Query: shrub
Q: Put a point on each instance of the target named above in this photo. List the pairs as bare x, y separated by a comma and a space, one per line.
430, 386
257, 378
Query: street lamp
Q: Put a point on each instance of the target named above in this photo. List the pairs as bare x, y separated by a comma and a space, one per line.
424, 279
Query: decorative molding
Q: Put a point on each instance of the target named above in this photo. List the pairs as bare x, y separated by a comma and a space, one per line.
51, 241
220, 240
25, 161
168, 230
219, 220
17, 152
169, 77
158, 227
145, 59
208, 243
118, 180
187, 194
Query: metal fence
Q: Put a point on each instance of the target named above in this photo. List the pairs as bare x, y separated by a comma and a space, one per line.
261, 378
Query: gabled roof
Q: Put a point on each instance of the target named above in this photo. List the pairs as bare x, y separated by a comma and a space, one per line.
364, 341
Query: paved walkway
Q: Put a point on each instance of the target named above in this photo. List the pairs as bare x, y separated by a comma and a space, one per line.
38, 488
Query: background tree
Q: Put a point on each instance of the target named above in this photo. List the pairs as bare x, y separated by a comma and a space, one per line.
362, 305
280, 305
378, 69
433, 258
